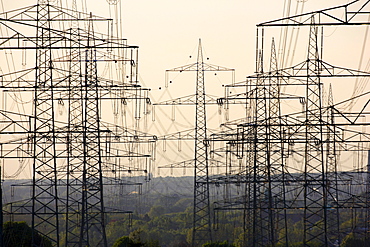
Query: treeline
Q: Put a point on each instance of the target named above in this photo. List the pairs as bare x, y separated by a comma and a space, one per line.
159, 227
162, 215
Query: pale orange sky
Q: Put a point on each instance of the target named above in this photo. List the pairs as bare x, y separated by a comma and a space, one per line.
167, 31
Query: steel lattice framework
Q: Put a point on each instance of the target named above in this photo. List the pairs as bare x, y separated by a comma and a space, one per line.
314, 173
276, 151
202, 218
331, 168
266, 139
75, 149
202, 230
79, 154
92, 189
44, 191
263, 228
83, 153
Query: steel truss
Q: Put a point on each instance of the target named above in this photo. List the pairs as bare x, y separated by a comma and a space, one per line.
80, 153
202, 230
266, 140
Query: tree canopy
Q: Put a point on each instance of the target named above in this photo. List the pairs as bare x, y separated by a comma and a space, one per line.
19, 234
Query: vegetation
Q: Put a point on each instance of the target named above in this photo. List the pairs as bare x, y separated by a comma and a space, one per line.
19, 234
164, 218
162, 229
351, 241
126, 241
218, 244
169, 227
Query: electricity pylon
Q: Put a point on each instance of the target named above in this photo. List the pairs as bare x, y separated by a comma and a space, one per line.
202, 231
68, 153
44, 190
202, 216
316, 191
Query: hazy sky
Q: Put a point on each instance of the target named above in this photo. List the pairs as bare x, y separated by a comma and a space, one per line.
167, 31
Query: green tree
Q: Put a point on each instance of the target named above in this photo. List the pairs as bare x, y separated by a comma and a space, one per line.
351, 241
218, 244
151, 243
123, 242
19, 234
156, 211
128, 242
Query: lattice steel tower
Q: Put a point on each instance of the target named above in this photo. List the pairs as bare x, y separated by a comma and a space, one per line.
92, 188
314, 173
70, 164
44, 192
202, 219
202, 231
